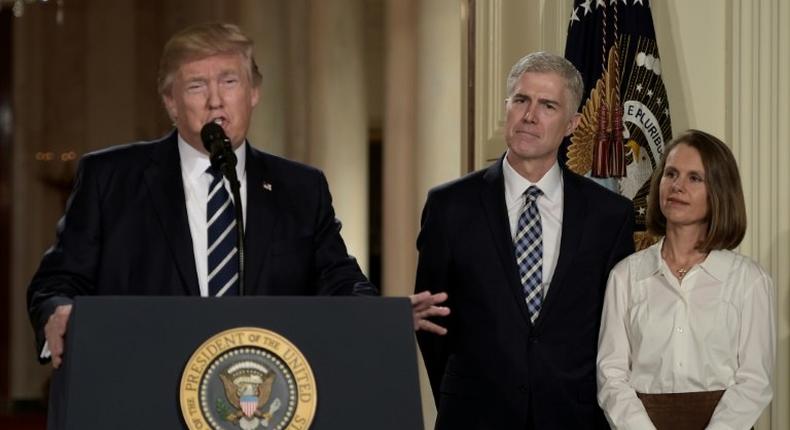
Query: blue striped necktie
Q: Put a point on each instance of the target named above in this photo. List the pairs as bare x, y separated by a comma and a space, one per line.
223, 256
528, 245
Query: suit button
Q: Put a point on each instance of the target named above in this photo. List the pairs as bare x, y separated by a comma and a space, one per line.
524, 388
533, 339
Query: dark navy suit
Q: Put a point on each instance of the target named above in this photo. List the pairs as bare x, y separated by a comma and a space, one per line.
494, 369
125, 232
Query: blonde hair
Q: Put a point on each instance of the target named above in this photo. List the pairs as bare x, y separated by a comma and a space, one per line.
200, 41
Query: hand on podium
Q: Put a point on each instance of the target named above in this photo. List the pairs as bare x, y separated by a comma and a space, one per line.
54, 331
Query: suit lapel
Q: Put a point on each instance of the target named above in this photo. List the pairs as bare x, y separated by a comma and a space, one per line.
493, 200
261, 217
574, 208
165, 185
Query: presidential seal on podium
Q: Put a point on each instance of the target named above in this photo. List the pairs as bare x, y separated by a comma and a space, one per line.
248, 378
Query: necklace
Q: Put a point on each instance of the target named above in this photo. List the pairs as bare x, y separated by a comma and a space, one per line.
684, 269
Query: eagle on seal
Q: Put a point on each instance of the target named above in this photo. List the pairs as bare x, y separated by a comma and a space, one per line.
248, 387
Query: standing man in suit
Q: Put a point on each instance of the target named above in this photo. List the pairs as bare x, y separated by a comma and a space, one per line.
523, 249
153, 218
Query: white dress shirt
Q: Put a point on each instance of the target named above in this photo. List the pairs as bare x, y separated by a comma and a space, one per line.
715, 330
196, 184
550, 206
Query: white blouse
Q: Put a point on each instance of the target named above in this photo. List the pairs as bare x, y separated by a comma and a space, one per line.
715, 330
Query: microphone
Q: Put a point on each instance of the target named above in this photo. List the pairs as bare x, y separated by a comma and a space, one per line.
219, 148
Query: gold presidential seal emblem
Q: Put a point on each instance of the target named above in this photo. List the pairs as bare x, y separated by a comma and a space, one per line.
248, 378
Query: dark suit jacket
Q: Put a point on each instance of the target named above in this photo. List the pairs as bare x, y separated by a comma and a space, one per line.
125, 232
494, 369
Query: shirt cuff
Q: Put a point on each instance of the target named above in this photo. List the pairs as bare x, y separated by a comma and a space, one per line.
45, 352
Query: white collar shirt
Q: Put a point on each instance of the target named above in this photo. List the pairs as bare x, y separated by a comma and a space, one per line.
714, 330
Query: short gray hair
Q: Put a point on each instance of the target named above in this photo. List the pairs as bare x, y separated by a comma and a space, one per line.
546, 62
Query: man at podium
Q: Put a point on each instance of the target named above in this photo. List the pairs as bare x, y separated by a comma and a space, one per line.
157, 218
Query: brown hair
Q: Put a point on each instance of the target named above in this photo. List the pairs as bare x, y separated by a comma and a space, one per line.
200, 41
726, 206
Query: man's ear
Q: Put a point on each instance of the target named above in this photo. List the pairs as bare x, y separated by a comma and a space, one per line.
573, 123
170, 106
255, 96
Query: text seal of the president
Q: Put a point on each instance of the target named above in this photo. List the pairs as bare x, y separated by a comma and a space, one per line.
248, 378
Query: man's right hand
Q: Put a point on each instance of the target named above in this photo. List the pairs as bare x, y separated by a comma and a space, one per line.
54, 332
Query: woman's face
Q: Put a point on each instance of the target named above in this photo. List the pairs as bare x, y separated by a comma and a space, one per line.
683, 191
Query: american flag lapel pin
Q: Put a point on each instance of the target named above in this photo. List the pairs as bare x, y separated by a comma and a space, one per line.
267, 186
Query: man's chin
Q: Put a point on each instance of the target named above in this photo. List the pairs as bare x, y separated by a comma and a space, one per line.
523, 151
530, 154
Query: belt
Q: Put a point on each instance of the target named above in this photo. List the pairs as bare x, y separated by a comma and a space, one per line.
681, 411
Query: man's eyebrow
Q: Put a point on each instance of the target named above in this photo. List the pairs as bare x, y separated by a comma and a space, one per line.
548, 101
195, 78
543, 100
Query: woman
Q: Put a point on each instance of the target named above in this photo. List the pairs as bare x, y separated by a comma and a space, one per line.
687, 315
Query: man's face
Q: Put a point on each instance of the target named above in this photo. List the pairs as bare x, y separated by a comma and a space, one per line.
212, 89
539, 115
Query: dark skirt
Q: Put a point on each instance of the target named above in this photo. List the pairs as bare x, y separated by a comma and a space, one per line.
681, 411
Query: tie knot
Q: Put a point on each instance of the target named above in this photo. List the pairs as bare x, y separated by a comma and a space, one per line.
533, 193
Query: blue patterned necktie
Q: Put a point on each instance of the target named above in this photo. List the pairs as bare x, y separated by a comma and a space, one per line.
528, 245
223, 256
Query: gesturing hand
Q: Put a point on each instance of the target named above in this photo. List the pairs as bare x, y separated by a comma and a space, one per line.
424, 306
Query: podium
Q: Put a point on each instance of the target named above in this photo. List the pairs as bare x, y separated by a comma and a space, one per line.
126, 360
